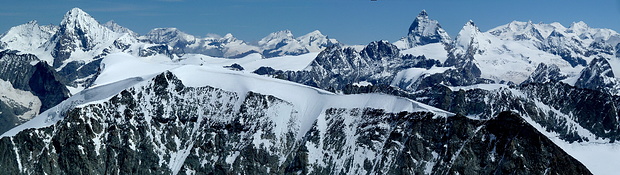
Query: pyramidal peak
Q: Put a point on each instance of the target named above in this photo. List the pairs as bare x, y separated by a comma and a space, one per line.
315, 33
112, 25
470, 23
578, 27
286, 33
468, 29
77, 16
467, 35
78, 22
424, 31
229, 35
423, 14
276, 37
579, 24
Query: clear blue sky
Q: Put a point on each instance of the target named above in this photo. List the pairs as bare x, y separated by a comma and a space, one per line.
350, 21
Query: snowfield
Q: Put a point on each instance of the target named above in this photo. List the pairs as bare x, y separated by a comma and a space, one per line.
121, 71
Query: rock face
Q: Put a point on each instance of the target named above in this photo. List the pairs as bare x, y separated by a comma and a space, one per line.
37, 84
545, 73
575, 114
164, 127
273, 45
336, 67
558, 82
424, 31
599, 76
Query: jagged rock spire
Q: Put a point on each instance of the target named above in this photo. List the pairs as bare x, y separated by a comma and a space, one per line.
425, 31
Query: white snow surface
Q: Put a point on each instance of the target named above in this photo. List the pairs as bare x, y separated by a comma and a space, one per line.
53, 115
598, 155
254, 61
506, 60
412, 75
121, 71
16, 97
434, 51
488, 87
310, 102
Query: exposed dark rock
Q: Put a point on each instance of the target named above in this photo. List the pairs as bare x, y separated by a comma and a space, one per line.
45, 85
40, 79
236, 67
545, 73
599, 76
165, 127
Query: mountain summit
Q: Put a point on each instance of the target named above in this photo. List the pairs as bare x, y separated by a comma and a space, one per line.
522, 98
424, 31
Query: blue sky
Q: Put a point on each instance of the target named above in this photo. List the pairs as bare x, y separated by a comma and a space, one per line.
350, 21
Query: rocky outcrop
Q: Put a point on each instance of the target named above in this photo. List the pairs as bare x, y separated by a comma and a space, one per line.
164, 127
30, 79
424, 31
545, 73
599, 76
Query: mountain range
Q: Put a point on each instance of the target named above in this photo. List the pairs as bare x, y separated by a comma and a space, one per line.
522, 98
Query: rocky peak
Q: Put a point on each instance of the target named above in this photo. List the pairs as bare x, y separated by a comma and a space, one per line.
281, 43
171, 36
380, 50
598, 75
518, 30
78, 22
425, 31
578, 27
273, 39
78, 31
112, 25
467, 35
467, 39
545, 73
27, 37
77, 16
315, 41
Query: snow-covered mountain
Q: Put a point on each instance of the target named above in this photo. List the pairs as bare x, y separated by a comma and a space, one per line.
183, 43
283, 43
191, 119
424, 31
276, 44
76, 46
73, 49
112, 25
541, 96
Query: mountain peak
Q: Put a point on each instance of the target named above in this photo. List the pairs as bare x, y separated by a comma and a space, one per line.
172, 36
228, 35
579, 26
77, 15
315, 32
33, 22
467, 37
315, 41
423, 14
283, 33
276, 37
518, 30
77, 11
425, 31
112, 25
470, 28
470, 23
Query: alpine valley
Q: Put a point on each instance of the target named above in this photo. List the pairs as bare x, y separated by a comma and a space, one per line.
523, 98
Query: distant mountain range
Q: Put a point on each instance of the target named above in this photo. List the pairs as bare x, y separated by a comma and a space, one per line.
522, 98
